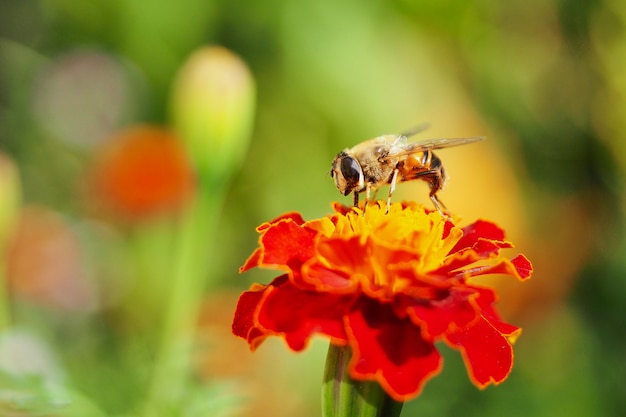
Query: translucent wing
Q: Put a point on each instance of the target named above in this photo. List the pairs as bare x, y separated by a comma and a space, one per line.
415, 130
440, 143
431, 144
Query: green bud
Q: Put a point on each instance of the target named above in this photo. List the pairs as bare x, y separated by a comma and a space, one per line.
213, 104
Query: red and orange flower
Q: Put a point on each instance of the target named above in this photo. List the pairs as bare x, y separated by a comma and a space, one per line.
388, 286
142, 171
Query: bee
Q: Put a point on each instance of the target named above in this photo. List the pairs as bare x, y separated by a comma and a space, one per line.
389, 160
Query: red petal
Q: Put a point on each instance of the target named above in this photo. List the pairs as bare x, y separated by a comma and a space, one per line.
479, 229
485, 247
486, 303
372, 266
456, 261
252, 261
287, 245
245, 324
326, 279
487, 354
523, 266
294, 216
298, 314
448, 225
341, 209
389, 350
502, 266
518, 267
347, 255
436, 317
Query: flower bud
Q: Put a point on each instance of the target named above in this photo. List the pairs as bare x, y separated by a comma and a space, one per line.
212, 106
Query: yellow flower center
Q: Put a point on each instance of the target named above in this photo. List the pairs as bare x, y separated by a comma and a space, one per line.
408, 237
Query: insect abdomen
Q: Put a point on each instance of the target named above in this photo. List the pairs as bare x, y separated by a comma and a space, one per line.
413, 164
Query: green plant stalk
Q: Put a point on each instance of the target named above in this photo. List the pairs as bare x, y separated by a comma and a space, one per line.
5, 308
10, 204
172, 367
344, 397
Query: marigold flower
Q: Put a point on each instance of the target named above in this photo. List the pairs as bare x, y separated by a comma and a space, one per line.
388, 286
45, 263
142, 171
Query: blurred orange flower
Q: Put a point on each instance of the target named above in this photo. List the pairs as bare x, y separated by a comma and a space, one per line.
45, 262
142, 171
389, 286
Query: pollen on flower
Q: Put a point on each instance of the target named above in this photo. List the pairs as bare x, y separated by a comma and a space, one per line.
367, 281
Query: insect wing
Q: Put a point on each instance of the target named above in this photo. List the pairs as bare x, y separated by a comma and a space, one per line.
416, 129
440, 143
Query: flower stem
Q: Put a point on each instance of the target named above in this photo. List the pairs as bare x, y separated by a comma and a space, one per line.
171, 376
5, 312
344, 397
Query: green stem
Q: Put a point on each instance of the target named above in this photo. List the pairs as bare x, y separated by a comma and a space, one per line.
172, 367
5, 307
344, 397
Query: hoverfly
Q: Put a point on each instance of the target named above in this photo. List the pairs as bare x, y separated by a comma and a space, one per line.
391, 159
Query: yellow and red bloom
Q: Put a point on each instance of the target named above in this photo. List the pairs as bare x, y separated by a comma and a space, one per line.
388, 286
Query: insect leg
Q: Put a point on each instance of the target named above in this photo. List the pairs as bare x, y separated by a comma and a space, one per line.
438, 204
356, 199
392, 187
435, 179
368, 189
374, 195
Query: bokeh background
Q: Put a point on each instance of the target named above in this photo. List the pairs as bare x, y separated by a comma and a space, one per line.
137, 158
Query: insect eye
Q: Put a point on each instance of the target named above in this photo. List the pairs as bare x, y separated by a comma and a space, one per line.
351, 170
